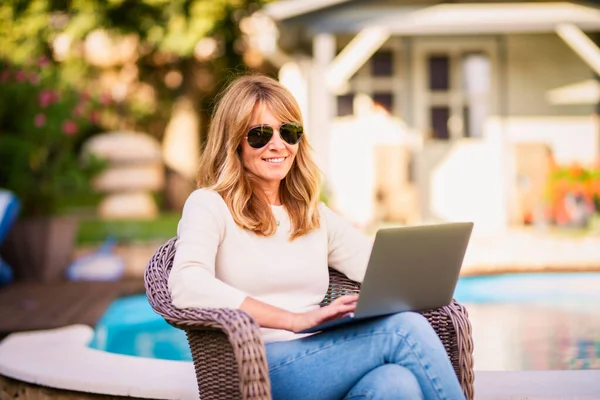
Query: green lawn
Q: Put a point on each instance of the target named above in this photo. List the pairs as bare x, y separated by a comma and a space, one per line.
94, 231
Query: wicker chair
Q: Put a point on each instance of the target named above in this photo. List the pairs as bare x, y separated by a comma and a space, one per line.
229, 354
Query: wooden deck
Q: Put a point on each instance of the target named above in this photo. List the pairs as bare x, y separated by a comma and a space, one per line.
34, 306
18, 390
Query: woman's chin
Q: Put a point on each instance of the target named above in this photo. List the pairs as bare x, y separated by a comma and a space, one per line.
275, 172
273, 176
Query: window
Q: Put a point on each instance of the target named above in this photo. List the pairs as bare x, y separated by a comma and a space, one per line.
456, 92
382, 64
385, 100
378, 80
439, 117
439, 72
345, 105
476, 77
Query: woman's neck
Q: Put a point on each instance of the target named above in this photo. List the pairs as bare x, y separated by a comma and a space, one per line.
272, 195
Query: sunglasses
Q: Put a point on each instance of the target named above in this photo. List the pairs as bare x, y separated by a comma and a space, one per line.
259, 136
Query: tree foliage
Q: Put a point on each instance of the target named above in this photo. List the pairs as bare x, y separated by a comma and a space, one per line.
173, 26
167, 32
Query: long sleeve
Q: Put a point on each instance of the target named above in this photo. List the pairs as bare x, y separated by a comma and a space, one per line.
192, 280
348, 249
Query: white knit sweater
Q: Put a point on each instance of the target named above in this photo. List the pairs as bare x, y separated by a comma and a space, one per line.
218, 264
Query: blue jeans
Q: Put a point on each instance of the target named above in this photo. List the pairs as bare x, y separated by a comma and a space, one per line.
393, 357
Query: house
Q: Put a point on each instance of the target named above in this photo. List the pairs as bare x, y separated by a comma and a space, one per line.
438, 111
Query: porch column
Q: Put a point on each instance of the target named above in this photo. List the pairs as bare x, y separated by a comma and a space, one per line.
294, 75
321, 101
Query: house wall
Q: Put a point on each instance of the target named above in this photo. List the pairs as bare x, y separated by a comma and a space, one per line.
535, 64
480, 179
470, 179
463, 180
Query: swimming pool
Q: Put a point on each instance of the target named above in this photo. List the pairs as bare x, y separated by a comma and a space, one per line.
520, 321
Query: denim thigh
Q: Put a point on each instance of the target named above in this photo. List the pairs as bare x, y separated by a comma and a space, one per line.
329, 364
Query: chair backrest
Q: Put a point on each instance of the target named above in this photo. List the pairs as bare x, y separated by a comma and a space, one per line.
339, 285
156, 277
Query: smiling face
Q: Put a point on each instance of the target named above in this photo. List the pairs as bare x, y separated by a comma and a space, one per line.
271, 163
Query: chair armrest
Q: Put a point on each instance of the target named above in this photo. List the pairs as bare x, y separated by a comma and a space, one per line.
451, 323
245, 342
219, 338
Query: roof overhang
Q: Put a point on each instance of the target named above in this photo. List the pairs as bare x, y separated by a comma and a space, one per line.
286, 9
495, 18
446, 19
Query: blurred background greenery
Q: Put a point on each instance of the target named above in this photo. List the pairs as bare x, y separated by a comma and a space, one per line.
74, 69
165, 33
95, 231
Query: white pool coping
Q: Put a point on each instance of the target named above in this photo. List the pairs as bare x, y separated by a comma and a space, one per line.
60, 358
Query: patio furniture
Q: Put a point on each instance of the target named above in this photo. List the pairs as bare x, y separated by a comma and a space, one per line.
9, 211
228, 351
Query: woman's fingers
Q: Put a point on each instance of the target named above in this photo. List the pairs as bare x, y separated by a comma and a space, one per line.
338, 308
334, 310
348, 298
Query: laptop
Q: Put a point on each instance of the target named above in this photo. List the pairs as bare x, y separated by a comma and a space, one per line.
410, 269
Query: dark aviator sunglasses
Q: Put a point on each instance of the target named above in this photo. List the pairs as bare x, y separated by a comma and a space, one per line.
258, 136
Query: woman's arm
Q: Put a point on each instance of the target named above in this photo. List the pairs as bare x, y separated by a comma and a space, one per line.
269, 316
349, 252
349, 249
192, 281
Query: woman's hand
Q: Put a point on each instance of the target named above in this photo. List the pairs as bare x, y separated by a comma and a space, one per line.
339, 307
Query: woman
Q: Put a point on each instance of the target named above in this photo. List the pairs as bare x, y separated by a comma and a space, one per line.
255, 237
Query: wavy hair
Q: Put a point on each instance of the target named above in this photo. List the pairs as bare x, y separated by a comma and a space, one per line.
221, 166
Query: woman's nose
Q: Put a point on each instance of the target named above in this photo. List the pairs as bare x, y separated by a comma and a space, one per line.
276, 141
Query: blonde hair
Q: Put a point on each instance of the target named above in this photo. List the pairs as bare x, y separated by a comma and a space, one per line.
221, 166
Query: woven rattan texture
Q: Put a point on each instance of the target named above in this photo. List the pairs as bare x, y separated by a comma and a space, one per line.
229, 354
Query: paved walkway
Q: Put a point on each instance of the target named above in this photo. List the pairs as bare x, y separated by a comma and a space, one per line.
537, 385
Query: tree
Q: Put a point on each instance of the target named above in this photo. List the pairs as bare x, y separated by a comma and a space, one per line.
183, 47
148, 55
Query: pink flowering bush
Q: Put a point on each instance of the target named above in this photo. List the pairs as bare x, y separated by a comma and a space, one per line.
43, 124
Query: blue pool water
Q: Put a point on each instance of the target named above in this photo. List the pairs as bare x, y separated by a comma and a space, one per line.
547, 321
130, 326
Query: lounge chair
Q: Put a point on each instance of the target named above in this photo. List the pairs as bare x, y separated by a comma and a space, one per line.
228, 351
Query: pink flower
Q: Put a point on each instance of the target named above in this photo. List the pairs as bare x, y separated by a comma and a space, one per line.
69, 127
21, 76
47, 97
40, 120
78, 110
43, 61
